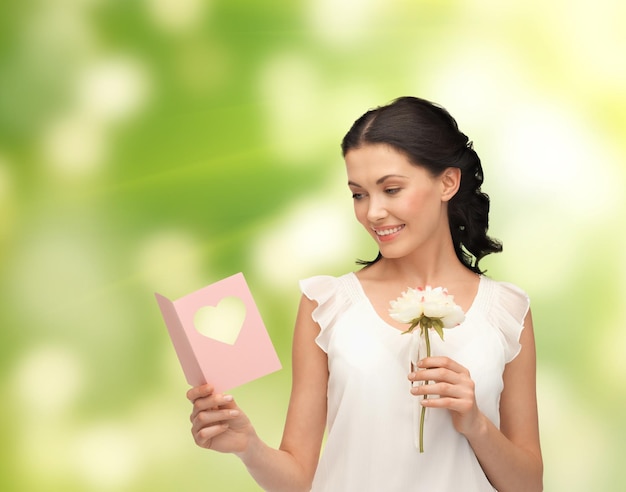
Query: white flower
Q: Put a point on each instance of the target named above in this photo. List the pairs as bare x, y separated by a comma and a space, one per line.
408, 307
427, 308
414, 305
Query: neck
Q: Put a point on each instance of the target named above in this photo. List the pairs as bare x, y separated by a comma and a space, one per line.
437, 266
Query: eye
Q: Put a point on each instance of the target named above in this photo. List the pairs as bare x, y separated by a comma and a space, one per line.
357, 196
392, 191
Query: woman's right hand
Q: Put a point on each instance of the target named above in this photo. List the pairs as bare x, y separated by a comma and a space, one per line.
217, 423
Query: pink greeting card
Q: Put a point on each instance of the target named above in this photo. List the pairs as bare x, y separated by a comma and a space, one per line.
219, 336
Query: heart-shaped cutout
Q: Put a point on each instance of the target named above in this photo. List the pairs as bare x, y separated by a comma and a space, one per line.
222, 322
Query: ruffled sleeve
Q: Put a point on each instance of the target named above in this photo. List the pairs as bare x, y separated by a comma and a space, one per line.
332, 300
510, 309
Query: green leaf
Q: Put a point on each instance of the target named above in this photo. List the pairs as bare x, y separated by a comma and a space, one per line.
414, 323
438, 327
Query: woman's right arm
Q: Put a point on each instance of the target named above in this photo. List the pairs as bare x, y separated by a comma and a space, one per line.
218, 424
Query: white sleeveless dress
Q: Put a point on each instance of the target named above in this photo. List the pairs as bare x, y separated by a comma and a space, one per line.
370, 444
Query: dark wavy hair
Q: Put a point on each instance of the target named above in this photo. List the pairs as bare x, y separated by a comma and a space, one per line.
430, 137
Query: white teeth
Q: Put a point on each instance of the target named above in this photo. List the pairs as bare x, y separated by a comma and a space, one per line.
386, 232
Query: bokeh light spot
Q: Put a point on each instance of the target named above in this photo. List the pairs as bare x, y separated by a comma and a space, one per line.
567, 431
290, 85
112, 90
56, 266
551, 155
47, 380
177, 16
310, 237
343, 22
107, 456
169, 262
75, 146
108, 91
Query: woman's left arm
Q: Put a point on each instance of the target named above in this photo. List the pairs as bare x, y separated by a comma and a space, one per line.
510, 456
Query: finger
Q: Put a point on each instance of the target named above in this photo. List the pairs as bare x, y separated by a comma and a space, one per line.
213, 418
212, 402
458, 405
446, 390
438, 389
438, 374
445, 362
204, 437
199, 392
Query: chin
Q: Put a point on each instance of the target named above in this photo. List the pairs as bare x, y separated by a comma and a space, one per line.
391, 253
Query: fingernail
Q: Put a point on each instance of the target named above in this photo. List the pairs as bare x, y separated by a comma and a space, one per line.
228, 397
233, 413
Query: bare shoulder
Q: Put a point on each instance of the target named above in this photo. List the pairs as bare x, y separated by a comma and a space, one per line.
518, 405
369, 273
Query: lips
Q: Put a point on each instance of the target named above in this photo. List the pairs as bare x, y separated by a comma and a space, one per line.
383, 233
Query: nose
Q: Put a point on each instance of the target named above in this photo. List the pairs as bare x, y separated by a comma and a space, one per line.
376, 209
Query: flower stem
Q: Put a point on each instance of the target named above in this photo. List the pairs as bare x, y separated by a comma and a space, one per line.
422, 415
423, 412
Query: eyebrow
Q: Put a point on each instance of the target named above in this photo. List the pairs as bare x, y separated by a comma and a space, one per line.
379, 180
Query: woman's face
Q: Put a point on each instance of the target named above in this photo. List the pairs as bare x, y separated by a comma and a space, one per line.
401, 205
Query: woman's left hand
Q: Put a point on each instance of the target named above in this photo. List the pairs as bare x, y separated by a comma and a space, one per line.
455, 388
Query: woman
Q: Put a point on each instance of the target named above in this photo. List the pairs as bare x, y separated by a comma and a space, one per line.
415, 181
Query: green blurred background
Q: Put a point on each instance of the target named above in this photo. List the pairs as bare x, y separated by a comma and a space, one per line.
160, 145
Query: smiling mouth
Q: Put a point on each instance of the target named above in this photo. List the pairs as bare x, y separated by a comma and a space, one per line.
388, 232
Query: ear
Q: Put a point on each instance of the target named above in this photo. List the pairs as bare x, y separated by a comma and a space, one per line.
450, 182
